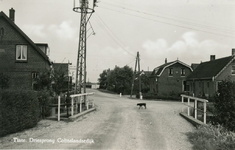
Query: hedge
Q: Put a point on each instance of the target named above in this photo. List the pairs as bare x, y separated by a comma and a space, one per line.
19, 110
225, 105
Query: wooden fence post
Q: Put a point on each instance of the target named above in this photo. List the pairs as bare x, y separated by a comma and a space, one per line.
72, 106
188, 107
195, 111
58, 108
80, 105
204, 112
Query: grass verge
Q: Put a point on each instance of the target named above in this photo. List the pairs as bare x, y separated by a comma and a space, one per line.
212, 138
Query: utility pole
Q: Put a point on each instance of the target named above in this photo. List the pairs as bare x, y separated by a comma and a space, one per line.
86, 8
137, 62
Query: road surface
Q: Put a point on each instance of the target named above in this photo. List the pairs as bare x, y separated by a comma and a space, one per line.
116, 124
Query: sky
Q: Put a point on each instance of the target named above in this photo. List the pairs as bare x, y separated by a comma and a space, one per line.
187, 30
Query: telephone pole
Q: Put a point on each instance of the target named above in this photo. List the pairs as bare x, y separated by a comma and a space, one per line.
86, 8
137, 62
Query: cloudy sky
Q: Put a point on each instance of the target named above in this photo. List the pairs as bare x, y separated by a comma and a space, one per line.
188, 30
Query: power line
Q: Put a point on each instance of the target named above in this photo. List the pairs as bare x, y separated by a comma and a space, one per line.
112, 34
172, 24
182, 18
93, 32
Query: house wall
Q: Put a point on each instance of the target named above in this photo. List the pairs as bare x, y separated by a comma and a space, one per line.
201, 88
227, 73
20, 72
152, 84
172, 84
208, 88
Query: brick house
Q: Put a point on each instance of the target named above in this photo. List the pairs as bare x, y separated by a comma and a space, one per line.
205, 78
169, 78
20, 58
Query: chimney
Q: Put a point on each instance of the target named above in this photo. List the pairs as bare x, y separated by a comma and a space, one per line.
212, 57
12, 14
165, 60
233, 52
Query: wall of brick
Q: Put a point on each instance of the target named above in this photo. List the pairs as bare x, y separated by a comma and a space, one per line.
208, 88
20, 72
172, 84
227, 73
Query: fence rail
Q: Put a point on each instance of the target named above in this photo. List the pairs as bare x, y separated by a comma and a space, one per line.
77, 99
196, 109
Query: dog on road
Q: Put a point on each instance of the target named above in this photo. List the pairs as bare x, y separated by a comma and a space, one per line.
141, 105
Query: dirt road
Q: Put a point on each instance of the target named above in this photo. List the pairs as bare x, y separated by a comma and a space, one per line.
117, 124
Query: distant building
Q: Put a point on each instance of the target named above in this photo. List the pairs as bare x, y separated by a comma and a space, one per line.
169, 78
205, 78
92, 85
20, 58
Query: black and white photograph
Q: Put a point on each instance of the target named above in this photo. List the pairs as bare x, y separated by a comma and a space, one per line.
117, 74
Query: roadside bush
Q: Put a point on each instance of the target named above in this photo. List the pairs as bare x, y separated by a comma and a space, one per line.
153, 95
45, 100
149, 95
19, 110
212, 138
224, 113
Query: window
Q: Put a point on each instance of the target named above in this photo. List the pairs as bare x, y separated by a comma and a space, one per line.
233, 70
170, 71
34, 75
21, 52
182, 72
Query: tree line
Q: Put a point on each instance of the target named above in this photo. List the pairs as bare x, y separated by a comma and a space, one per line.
119, 80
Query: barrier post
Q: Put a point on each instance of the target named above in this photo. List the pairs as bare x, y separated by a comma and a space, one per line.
195, 111
188, 107
58, 108
72, 106
204, 120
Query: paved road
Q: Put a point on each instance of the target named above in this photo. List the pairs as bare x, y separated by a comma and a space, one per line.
117, 124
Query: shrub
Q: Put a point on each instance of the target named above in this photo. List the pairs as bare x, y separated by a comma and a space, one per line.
44, 103
19, 111
212, 138
153, 95
225, 105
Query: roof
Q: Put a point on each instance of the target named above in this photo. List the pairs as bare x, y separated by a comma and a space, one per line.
2, 14
210, 69
43, 44
194, 66
147, 73
158, 70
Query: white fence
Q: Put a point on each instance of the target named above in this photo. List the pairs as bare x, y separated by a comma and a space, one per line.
195, 99
77, 100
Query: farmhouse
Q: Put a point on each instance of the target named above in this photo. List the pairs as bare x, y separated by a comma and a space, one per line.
169, 78
205, 78
20, 58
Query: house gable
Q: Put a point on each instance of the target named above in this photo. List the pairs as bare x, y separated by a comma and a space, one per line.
11, 37
22, 72
159, 70
226, 71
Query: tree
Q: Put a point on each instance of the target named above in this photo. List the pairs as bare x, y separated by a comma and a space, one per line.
225, 105
103, 79
43, 80
59, 81
117, 80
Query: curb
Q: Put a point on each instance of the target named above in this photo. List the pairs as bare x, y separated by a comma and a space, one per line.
74, 117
